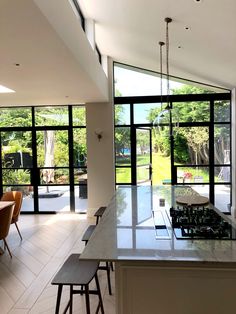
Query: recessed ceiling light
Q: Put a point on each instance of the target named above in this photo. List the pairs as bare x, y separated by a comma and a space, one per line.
4, 89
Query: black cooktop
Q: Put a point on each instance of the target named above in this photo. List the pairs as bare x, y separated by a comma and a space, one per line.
190, 222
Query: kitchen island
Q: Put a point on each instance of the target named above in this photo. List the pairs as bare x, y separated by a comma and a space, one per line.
155, 272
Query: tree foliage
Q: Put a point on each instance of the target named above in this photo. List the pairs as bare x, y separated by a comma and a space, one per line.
191, 144
21, 141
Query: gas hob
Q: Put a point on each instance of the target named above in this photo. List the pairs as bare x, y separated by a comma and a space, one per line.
189, 222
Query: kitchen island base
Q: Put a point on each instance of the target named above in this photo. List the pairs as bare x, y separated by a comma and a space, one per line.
181, 288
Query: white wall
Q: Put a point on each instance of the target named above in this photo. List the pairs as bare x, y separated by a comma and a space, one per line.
100, 156
69, 29
100, 161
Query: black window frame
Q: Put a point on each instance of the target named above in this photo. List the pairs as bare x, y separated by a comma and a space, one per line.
211, 98
35, 169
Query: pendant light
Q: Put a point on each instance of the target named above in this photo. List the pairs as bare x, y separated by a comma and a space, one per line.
164, 117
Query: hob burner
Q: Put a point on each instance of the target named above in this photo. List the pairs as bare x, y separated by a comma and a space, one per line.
190, 222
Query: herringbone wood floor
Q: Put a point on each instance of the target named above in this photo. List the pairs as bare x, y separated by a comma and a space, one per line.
25, 280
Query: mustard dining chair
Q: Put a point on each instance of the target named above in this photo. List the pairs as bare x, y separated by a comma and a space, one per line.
5, 221
17, 197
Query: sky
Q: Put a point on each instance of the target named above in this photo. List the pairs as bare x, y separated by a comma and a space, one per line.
133, 83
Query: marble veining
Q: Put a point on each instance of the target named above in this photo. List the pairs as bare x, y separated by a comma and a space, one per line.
127, 231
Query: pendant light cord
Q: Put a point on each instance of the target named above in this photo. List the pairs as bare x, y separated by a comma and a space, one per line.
161, 43
167, 20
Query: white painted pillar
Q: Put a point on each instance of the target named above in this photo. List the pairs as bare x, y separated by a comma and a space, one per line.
233, 145
100, 157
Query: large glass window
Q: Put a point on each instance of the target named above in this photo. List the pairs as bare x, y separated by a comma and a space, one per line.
190, 144
51, 116
222, 111
79, 116
146, 113
35, 157
194, 111
132, 81
15, 117
222, 143
122, 114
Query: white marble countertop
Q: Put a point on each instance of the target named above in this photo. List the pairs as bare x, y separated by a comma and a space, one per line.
127, 232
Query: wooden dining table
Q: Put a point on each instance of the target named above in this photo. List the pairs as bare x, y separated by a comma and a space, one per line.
4, 204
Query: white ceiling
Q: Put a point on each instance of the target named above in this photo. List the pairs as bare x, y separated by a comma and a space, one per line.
49, 71
129, 32
126, 30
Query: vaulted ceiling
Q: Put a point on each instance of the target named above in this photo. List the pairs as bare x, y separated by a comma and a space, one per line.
56, 64
45, 39
202, 35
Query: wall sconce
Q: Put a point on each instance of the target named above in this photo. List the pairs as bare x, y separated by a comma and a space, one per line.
98, 133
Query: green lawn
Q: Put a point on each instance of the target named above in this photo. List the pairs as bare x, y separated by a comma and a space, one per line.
161, 170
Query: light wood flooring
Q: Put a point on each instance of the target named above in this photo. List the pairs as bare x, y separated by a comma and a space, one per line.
25, 280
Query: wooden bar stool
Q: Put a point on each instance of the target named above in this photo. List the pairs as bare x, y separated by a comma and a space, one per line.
98, 214
88, 232
76, 272
86, 236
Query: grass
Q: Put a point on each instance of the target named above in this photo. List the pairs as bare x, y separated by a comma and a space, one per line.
161, 170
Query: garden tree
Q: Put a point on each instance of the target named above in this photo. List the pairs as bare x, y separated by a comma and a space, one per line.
194, 138
143, 141
191, 144
122, 140
52, 146
222, 132
160, 139
222, 144
122, 134
197, 141
80, 147
15, 140
56, 152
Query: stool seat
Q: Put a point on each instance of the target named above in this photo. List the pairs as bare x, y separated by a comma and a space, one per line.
88, 232
86, 236
75, 271
98, 214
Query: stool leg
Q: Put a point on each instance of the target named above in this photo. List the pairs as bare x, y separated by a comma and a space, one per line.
97, 220
59, 291
87, 299
71, 299
108, 278
99, 294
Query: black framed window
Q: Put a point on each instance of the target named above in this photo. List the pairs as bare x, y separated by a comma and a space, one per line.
198, 141
44, 155
98, 54
77, 7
